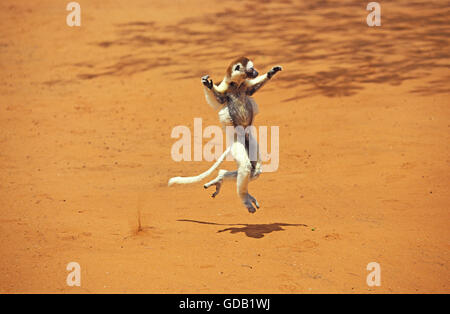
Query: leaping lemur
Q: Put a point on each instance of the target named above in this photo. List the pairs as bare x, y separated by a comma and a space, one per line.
232, 98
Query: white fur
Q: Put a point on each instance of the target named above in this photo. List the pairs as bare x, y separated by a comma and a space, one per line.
256, 80
211, 100
224, 117
187, 180
223, 86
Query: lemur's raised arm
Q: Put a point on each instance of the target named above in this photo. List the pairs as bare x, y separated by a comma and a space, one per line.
214, 96
255, 84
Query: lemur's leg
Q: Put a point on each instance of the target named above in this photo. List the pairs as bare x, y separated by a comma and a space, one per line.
253, 152
256, 171
223, 175
243, 174
256, 83
251, 145
215, 98
254, 201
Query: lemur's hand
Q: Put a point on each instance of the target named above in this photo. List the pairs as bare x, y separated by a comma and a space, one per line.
273, 71
207, 82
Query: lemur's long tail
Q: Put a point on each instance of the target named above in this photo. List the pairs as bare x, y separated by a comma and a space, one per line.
187, 180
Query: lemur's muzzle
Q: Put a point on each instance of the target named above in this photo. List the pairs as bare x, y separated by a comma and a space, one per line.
252, 73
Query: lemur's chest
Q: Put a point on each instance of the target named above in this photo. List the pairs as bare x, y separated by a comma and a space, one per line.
240, 108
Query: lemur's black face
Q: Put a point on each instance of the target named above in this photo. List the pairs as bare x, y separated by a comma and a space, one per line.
251, 72
242, 69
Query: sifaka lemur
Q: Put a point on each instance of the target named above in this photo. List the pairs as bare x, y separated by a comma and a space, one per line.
232, 98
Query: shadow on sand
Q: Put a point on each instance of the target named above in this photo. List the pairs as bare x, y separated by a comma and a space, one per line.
256, 231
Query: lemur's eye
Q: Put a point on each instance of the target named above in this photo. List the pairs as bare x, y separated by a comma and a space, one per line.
237, 68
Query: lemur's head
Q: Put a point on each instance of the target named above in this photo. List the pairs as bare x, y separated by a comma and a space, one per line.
241, 69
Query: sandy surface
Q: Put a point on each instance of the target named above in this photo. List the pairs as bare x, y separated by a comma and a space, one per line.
86, 116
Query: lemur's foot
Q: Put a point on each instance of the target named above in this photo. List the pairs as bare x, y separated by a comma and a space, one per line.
274, 70
248, 203
207, 82
254, 201
218, 186
250, 208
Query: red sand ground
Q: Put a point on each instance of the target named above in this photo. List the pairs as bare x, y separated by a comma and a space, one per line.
86, 116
